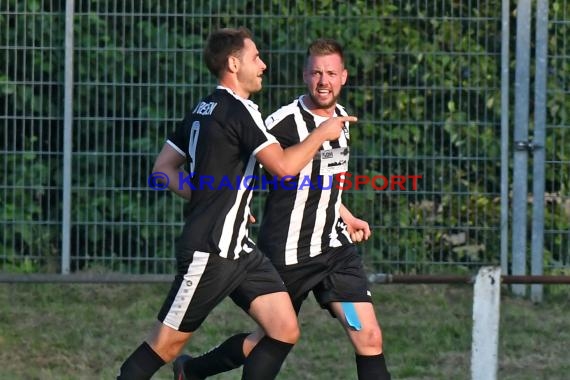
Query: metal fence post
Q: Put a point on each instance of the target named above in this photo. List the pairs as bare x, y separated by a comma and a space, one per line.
537, 244
505, 136
521, 145
67, 138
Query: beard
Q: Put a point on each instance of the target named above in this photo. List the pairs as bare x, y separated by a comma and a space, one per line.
323, 105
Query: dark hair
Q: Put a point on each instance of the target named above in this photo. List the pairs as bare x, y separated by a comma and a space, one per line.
324, 46
222, 44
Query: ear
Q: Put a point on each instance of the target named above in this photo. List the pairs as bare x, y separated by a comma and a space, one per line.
344, 76
306, 77
233, 64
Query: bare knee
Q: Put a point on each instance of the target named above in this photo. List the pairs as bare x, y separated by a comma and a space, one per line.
166, 352
368, 341
290, 333
167, 342
276, 316
294, 334
287, 331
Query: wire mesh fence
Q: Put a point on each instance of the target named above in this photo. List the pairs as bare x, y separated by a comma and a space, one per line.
424, 79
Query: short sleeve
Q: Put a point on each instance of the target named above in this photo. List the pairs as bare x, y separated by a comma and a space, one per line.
252, 132
178, 139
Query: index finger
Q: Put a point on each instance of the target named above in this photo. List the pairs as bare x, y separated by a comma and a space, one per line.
350, 119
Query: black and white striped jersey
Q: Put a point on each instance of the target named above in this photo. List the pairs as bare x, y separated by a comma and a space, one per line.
220, 138
302, 219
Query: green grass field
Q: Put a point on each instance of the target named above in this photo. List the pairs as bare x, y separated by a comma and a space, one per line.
84, 331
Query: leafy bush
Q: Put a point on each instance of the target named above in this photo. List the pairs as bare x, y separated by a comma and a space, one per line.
423, 79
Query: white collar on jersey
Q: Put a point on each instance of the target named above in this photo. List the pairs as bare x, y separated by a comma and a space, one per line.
318, 118
247, 101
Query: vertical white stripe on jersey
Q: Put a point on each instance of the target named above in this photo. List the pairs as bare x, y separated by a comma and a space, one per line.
321, 217
316, 238
186, 291
334, 242
245, 217
296, 219
226, 237
300, 199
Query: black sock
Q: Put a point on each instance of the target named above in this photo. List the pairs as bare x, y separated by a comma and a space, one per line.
265, 360
372, 367
141, 365
225, 357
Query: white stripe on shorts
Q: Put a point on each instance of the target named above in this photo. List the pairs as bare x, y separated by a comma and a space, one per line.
186, 291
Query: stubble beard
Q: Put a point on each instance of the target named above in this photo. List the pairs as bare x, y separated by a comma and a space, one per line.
320, 105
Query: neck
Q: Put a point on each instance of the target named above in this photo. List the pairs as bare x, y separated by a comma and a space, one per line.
232, 84
325, 112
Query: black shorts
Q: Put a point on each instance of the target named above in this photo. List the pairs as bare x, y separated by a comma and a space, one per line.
336, 275
205, 279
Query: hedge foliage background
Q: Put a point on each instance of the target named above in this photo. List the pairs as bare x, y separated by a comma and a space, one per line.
424, 81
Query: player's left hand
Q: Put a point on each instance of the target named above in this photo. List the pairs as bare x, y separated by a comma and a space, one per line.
359, 230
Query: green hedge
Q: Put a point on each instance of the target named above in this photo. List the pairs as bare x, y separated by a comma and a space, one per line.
424, 81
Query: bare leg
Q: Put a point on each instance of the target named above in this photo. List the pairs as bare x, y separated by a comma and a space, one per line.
366, 340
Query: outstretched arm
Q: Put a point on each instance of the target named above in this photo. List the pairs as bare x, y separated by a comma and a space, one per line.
289, 162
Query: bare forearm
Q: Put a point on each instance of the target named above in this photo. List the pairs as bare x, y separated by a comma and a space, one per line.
291, 161
177, 183
296, 157
345, 214
168, 168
